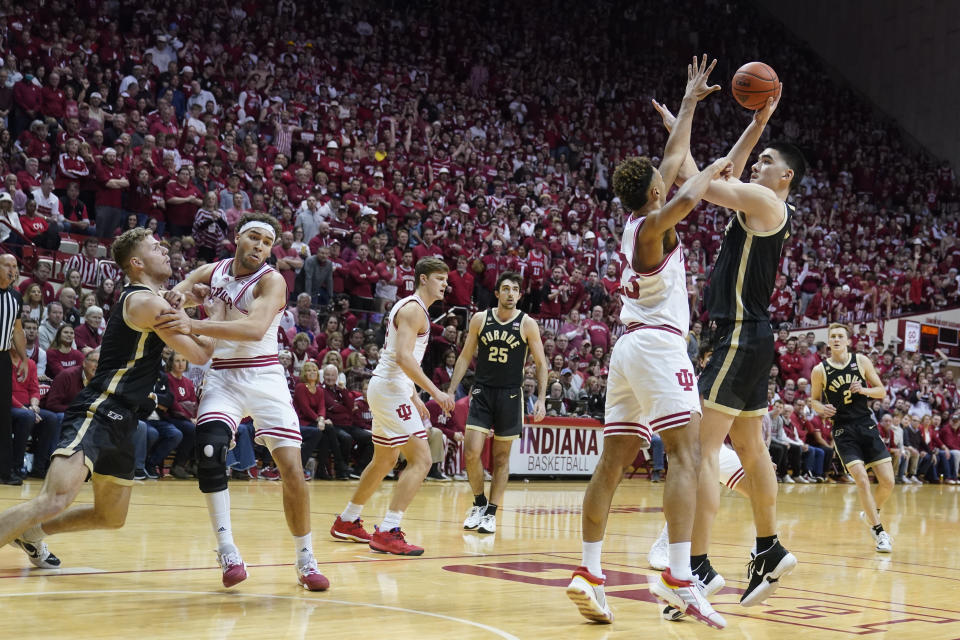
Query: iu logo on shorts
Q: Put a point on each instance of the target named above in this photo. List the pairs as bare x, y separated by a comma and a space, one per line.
404, 411
686, 379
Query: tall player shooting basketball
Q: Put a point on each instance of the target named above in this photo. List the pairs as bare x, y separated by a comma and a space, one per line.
651, 385
734, 383
97, 433
502, 336
838, 392
398, 415
246, 379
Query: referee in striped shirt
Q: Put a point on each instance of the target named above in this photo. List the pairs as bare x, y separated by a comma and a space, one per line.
11, 337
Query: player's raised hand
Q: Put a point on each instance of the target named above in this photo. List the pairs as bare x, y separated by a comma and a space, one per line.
697, 74
668, 118
762, 116
721, 166
174, 298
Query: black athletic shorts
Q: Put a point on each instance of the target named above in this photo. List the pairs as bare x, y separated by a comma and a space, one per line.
496, 408
104, 430
736, 376
860, 442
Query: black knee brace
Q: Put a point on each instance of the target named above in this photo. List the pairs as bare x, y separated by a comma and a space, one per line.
213, 442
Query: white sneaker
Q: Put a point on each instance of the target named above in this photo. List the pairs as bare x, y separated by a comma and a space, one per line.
473, 517
687, 597
37, 553
586, 591
488, 523
788, 479
884, 542
659, 556
801, 480
709, 588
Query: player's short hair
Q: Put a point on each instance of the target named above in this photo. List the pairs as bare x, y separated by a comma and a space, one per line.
512, 276
428, 266
631, 181
840, 325
124, 246
794, 159
260, 217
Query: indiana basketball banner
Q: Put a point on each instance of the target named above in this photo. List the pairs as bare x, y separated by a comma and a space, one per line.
558, 446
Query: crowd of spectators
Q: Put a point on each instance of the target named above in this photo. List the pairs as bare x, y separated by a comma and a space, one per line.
378, 133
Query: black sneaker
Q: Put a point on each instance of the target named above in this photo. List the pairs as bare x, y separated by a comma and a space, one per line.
151, 472
139, 474
765, 571
38, 553
13, 480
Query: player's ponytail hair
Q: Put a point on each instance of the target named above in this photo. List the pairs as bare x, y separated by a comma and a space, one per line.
631, 181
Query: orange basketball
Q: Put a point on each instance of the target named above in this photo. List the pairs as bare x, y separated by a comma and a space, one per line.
753, 83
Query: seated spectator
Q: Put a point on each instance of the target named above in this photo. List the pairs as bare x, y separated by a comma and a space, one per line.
41, 276
32, 346
182, 412
340, 408
442, 374
785, 450
87, 335
555, 404
62, 354
950, 437
29, 418
166, 437
309, 403
242, 460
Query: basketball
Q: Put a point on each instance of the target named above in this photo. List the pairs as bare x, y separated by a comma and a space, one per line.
753, 83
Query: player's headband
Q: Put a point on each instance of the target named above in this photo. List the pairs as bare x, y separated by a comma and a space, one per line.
262, 226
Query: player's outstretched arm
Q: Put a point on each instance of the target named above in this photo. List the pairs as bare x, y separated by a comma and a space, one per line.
531, 331
145, 312
410, 322
467, 353
740, 152
678, 144
818, 378
187, 292
683, 201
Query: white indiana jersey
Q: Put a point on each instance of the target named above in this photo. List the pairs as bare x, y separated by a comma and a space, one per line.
387, 367
237, 295
658, 297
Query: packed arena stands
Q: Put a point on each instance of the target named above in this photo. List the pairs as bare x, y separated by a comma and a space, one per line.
378, 133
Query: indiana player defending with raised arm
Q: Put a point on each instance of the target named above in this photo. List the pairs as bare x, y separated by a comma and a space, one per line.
246, 379
398, 415
98, 428
837, 391
733, 385
502, 337
651, 386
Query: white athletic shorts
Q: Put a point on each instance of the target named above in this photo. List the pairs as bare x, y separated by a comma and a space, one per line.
651, 385
233, 392
730, 470
395, 419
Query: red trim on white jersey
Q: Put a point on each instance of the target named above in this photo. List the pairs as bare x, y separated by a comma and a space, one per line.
636, 326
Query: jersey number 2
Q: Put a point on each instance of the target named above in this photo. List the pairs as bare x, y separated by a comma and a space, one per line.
498, 354
847, 396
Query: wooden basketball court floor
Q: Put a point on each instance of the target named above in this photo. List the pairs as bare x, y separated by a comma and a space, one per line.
157, 576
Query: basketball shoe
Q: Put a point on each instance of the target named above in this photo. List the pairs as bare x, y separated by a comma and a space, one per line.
586, 591
765, 571
488, 523
37, 553
474, 517
687, 597
883, 540
310, 578
710, 585
659, 556
353, 531
393, 542
234, 570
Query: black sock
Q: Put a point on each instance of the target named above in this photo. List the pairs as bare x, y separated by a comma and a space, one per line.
699, 562
480, 500
764, 543
491, 509
878, 529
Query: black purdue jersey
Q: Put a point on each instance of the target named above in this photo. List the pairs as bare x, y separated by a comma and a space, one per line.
129, 359
744, 275
501, 352
852, 408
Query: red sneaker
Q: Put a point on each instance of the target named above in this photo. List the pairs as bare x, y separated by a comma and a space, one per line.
270, 473
310, 577
392, 542
353, 531
234, 570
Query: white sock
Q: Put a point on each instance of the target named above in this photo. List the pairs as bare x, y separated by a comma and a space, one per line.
304, 546
391, 520
34, 534
591, 557
680, 560
351, 512
218, 505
